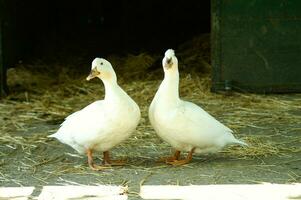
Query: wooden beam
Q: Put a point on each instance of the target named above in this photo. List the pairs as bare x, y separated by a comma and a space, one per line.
16, 193
102, 192
233, 192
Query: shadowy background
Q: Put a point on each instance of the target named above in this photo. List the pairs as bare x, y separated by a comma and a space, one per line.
100, 27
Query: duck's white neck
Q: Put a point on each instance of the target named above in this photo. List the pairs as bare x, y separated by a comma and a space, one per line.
170, 87
112, 90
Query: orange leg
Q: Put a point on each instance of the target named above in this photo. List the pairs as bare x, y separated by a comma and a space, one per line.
89, 153
176, 156
108, 161
184, 161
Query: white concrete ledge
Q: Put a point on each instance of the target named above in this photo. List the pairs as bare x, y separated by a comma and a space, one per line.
216, 192
83, 192
194, 192
15, 193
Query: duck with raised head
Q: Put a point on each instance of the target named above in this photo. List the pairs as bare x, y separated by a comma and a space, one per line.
182, 124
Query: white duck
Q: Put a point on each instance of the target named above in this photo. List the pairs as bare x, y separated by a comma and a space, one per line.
103, 124
182, 124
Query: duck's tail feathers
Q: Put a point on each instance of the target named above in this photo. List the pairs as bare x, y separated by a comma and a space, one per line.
241, 143
53, 135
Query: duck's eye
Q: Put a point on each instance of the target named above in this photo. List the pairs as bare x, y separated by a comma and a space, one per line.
101, 63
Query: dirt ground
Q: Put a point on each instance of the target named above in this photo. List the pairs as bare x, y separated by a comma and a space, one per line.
271, 124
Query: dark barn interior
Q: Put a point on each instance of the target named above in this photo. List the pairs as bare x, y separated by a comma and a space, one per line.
56, 30
99, 28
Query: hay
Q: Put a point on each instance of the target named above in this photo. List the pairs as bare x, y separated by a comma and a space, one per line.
132, 67
259, 147
47, 97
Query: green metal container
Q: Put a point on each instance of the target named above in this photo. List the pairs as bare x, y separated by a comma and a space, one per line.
256, 45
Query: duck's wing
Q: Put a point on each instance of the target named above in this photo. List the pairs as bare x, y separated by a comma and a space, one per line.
200, 126
84, 113
89, 118
82, 128
196, 114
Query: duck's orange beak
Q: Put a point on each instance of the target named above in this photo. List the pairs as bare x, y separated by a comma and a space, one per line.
94, 73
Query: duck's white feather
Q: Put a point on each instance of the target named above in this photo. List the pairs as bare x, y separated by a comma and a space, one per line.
184, 125
102, 124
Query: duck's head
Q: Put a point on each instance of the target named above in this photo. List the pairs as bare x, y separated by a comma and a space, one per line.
170, 61
101, 68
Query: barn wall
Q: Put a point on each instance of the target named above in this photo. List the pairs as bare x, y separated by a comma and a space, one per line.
256, 45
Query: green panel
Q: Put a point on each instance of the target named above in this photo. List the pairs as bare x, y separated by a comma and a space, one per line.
259, 44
